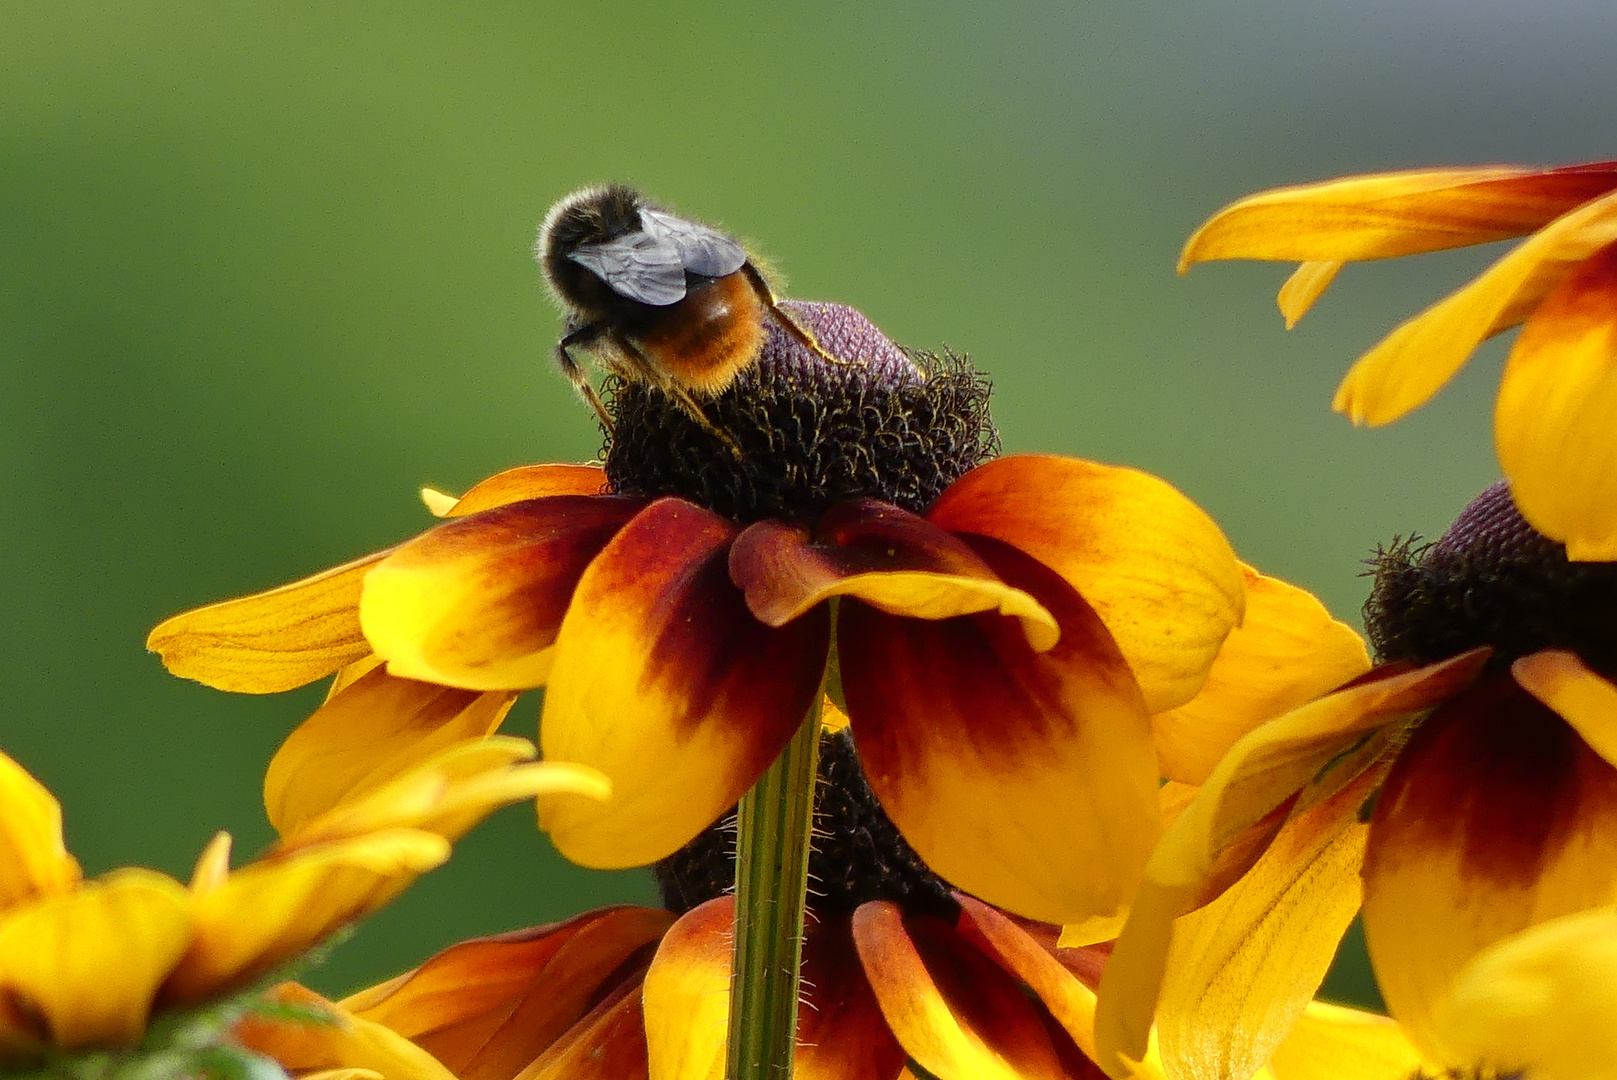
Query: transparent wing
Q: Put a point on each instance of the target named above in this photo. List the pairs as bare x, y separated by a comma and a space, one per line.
701, 250
641, 266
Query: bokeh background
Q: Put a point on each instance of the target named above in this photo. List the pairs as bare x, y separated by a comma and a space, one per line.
264, 271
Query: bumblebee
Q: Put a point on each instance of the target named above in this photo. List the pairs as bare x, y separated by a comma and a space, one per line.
655, 298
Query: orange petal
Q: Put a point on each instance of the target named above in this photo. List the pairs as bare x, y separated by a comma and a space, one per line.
1555, 424
687, 994
346, 1042
884, 556
1332, 1042
476, 602
1386, 215
1497, 816
1242, 969
1025, 778
270, 641
609, 1043
841, 1033
955, 1011
274, 909
518, 484
87, 963
667, 684
486, 1008
1287, 652
1154, 566
1581, 697
1413, 362
366, 734
1306, 285
33, 859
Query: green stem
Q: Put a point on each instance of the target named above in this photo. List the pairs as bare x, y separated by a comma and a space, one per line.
772, 848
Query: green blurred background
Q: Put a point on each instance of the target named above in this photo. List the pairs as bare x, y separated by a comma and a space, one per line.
264, 271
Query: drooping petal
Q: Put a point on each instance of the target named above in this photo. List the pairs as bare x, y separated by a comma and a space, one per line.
274, 909
955, 1011
1286, 653
1305, 285
345, 1042
1497, 816
887, 558
88, 962
476, 602
1386, 215
1241, 970
687, 994
841, 1033
33, 858
1333, 1042
517, 485
1543, 1002
1414, 362
1262, 771
667, 684
1555, 423
1150, 562
1578, 695
486, 1008
270, 641
609, 1043
1025, 778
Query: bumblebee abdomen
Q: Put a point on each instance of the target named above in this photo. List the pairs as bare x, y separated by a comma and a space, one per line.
708, 338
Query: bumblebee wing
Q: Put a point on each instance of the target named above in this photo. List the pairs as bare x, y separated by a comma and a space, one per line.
702, 250
641, 266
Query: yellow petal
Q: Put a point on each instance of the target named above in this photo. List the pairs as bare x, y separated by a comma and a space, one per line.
270, 641
1386, 215
1555, 424
1581, 697
515, 485
1153, 565
366, 734
90, 961
687, 995
274, 909
346, 1043
1542, 1002
1332, 1042
1287, 652
213, 865
1306, 285
33, 859
1413, 362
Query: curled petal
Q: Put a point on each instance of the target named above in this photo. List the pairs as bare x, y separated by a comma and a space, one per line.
1386, 215
343, 1042
366, 734
516, 485
87, 963
1584, 699
1025, 778
1542, 1003
1414, 362
1555, 423
1306, 285
841, 1033
667, 684
888, 558
609, 1043
33, 859
270, 641
687, 994
212, 867
1333, 1042
1287, 652
476, 603
1497, 816
955, 1011
1150, 562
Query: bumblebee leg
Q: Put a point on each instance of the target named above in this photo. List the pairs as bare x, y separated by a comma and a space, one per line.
643, 370
575, 374
802, 333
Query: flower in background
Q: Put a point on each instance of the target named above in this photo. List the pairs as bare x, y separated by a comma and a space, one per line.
1005, 629
86, 966
1462, 791
1555, 424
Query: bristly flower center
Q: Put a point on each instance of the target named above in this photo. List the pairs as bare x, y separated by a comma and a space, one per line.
1491, 579
858, 854
808, 434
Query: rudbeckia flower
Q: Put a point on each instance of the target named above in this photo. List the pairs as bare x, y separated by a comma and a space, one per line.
1005, 628
1555, 424
85, 966
1461, 792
